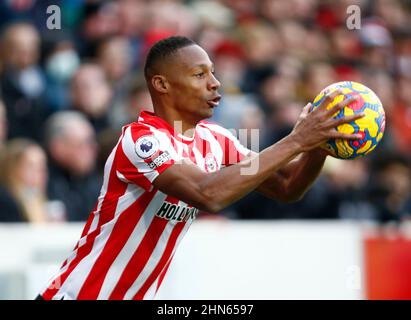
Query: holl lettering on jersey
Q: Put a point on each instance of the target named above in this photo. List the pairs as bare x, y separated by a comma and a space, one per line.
176, 212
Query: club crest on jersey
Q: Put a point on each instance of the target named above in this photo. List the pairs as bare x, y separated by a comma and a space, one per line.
146, 146
210, 163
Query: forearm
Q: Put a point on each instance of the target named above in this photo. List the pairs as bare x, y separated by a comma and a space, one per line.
232, 183
293, 180
302, 173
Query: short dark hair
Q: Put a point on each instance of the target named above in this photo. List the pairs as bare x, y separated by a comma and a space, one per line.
164, 49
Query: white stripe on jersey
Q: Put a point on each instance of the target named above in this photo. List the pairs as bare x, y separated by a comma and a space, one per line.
220, 130
215, 146
126, 253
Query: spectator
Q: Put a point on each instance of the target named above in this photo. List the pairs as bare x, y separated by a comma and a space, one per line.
60, 65
72, 147
22, 81
91, 94
24, 178
139, 99
401, 116
390, 193
115, 59
347, 184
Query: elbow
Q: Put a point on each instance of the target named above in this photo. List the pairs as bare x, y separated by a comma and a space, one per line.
210, 202
212, 207
291, 196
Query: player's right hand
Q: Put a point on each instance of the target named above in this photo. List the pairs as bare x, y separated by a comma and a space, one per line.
314, 128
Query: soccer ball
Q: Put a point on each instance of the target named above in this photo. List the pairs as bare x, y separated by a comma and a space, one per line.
371, 126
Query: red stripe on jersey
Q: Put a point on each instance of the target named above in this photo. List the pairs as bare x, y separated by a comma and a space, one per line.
204, 148
140, 256
118, 237
163, 261
230, 153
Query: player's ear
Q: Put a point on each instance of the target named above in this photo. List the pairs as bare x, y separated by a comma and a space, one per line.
160, 83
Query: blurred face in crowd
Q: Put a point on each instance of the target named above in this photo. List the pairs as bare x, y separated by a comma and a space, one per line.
319, 76
171, 16
114, 57
383, 85
131, 16
258, 50
345, 43
76, 148
31, 168
278, 89
397, 179
230, 70
392, 12
192, 86
90, 91
139, 100
293, 37
404, 89
21, 44
348, 174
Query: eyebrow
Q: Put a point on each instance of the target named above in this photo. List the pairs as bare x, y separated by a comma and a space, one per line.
204, 66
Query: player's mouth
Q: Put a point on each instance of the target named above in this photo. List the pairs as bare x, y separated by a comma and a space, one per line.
214, 102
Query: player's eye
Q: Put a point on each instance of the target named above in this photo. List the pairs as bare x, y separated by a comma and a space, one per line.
200, 74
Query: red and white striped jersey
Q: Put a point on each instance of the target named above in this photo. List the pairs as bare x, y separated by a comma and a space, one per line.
132, 234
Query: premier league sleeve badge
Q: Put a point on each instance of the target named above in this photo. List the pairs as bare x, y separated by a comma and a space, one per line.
147, 146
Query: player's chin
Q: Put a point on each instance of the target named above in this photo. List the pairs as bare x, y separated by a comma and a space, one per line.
207, 112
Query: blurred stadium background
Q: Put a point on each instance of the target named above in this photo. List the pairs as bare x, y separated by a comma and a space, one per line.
66, 92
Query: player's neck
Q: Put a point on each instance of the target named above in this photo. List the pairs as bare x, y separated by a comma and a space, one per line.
178, 121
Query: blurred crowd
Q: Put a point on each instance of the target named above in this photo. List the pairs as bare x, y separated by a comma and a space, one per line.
65, 93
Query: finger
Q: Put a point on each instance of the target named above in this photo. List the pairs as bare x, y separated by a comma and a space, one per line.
347, 119
341, 105
329, 98
306, 109
347, 136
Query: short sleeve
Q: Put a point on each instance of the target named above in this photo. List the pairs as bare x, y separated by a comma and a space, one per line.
233, 150
144, 153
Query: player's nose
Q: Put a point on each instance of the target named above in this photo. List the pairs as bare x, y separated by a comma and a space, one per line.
213, 83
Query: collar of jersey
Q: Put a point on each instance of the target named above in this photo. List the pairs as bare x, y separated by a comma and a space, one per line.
160, 122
